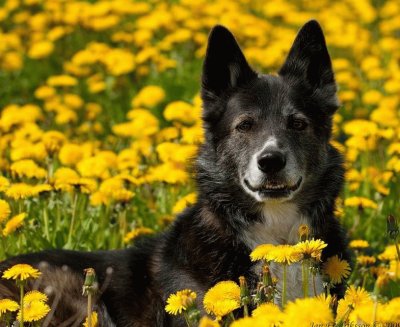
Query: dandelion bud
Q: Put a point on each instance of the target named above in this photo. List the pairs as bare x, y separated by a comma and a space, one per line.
266, 275
304, 232
245, 298
90, 284
382, 280
333, 304
244, 291
392, 227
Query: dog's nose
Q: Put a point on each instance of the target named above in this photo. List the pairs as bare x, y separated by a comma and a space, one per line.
271, 162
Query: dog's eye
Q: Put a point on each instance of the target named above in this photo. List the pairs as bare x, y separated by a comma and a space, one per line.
297, 124
245, 125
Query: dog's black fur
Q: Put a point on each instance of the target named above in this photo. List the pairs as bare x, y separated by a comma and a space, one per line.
207, 242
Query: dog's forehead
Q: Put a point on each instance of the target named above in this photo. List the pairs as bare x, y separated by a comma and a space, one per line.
267, 95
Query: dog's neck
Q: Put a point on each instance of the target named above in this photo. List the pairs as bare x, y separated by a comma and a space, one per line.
279, 224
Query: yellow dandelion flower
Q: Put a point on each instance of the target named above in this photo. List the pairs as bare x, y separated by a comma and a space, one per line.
8, 305
360, 202
359, 244
336, 269
94, 320
365, 260
149, 96
285, 254
222, 298
182, 203
19, 191
391, 311
251, 322
383, 279
304, 231
266, 309
327, 299
207, 322
181, 111
311, 248
62, 80
35, 296
180, 301
64, 178
389, 254
41, 188
394, 269
14, 223
261, 252
41, 49
307, 312
53, 140
129, 237
99, 198
27, 168
34, 311
354, 297
21, 271
123, 195
4, 184
365, 313
4, 210
44, 92
268, 314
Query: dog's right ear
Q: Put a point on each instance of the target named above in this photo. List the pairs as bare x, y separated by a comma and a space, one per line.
225, 66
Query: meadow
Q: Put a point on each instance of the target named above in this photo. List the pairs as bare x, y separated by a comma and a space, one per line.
100, 116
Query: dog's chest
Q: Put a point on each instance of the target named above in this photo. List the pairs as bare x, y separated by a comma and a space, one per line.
280, 225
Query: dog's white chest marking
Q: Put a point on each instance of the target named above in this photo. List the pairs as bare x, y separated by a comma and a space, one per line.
280, 225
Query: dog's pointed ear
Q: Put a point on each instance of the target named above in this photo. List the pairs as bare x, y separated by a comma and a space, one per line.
309, 63
225, 66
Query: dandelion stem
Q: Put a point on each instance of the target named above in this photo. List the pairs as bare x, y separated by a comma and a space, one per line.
375, 312
21, 289
71, 227
123, 225
375, 297
245, 310
284, 285
46, 224
397, 249
365, 280
345, 317
89, 309
187, 319
314, 285
305, 277
3, 254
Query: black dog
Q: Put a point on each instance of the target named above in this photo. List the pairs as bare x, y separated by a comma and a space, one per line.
266, 167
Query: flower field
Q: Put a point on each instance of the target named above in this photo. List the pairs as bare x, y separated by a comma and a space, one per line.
100, 116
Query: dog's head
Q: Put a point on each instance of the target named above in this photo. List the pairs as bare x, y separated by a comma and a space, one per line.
270, 133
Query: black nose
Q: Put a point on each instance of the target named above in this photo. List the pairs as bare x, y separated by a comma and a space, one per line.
271, 162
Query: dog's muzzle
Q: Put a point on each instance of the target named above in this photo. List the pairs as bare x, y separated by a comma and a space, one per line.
274, 189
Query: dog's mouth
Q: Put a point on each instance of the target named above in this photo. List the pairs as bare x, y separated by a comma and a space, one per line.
274, 190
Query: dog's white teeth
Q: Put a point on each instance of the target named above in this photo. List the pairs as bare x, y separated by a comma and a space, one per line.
276, 187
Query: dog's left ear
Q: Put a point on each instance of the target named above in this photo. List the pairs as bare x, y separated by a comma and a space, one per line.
308, 63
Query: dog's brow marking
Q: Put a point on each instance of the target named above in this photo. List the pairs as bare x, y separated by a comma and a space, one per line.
272, 142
